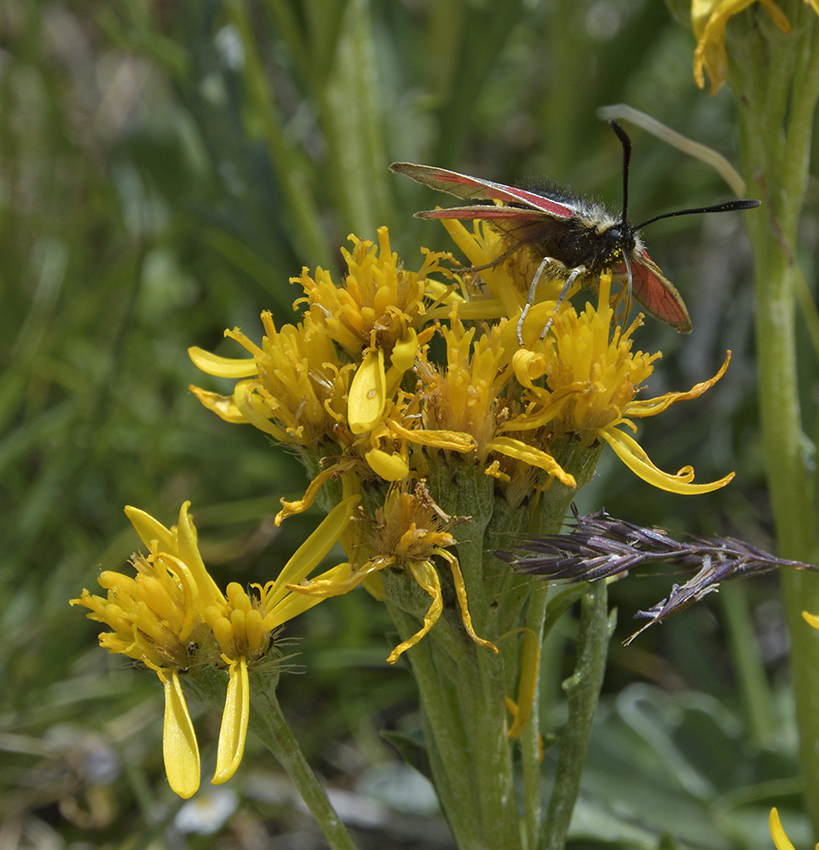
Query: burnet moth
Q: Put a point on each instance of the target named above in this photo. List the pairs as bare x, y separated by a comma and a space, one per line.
573, 238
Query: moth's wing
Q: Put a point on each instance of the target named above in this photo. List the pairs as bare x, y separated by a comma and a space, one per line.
656, 293
521, 225
474, 188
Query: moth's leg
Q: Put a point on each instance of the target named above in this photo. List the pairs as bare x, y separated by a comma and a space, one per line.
580, 270
530, 299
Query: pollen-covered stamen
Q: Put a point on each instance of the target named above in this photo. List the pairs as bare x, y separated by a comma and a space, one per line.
379, 301
238, 626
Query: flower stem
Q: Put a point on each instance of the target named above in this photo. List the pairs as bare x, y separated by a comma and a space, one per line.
269, 724
776, 79
582, 690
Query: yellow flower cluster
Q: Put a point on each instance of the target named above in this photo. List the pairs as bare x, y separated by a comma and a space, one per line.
392, 371
172, 616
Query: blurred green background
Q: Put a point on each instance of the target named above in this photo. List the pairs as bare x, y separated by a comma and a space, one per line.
165, 168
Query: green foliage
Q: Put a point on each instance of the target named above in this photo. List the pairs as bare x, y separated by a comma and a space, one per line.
166, 168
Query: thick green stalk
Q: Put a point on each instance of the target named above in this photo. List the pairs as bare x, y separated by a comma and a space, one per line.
465, 734
462, 685
776, 78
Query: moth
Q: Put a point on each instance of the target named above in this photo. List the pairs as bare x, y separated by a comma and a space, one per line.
573, 238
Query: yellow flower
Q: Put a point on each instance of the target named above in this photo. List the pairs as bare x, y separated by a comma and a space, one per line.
709, 19
379, 301
409, 531
591, 377
496, 289
173, 616
465, 396
296, 389
781, 840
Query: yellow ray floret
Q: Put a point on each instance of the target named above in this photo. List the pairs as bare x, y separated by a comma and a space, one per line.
710, 19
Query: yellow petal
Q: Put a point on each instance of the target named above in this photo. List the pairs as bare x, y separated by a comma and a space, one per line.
777, 833
633, 456
294, 603
337, 584
308, 556
404, 351
222, 367
811, 619
530, 663
179, 746
290, 508
222, 405
150, 530
209, 591
460, 592
424, 573
534, 457
653, 406
233, 732
455, 441
390, 467
368, 396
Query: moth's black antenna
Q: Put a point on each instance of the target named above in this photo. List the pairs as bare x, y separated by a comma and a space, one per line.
729, 206
625, 141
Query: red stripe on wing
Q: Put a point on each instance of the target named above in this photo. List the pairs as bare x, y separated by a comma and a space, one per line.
466, 187
486, 212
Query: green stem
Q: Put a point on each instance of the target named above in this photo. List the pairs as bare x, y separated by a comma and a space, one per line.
269, 724
756, 694
776, 79
583, 690
530, 736
465, 733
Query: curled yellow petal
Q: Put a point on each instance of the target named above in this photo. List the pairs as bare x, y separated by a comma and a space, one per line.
390, 467
653, 406
222, 405
534, 457
290, 508
233, 731
424, 573
368, 396
781, 840
633, 456
222, 367
179, 746
811, 619
460, 591
455, 441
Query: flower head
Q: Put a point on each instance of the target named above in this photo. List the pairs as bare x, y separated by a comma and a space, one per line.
710, 19
366, 392
581, 381
409, 532
172, 616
